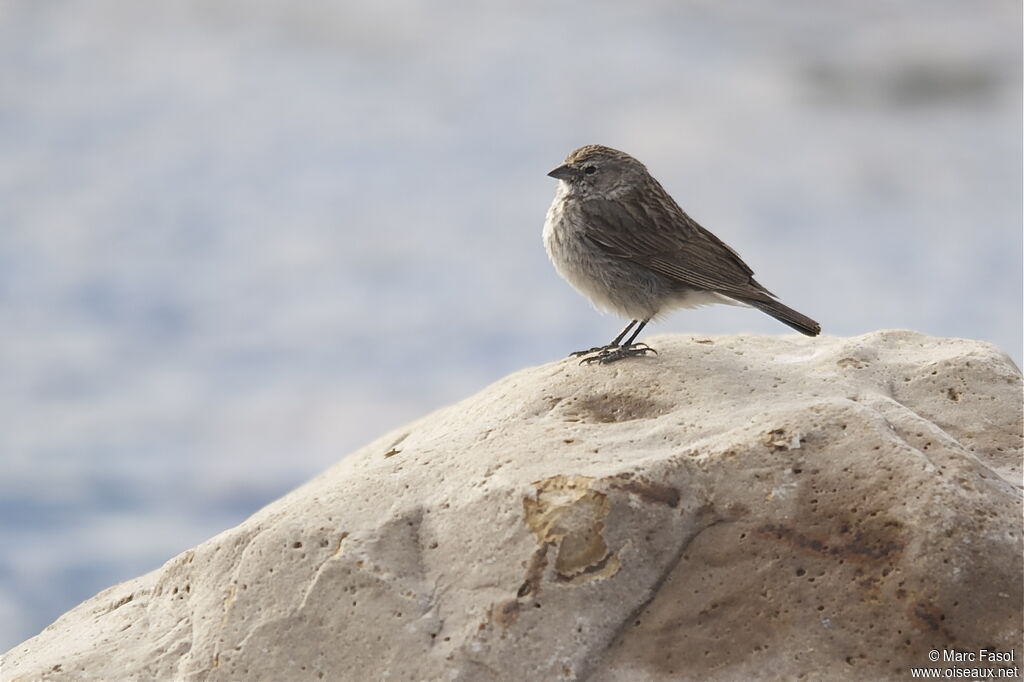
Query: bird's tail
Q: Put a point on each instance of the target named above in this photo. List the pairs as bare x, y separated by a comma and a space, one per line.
786, 315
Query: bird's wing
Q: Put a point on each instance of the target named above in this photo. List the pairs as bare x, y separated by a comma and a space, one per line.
657, 234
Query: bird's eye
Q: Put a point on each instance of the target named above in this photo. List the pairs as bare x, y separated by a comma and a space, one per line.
590, 170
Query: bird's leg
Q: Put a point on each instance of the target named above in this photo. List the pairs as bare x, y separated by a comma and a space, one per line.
626, 350
613, 344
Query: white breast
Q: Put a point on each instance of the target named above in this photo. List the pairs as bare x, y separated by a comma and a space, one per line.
575, 258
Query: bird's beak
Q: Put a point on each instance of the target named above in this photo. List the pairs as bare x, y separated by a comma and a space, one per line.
563, 172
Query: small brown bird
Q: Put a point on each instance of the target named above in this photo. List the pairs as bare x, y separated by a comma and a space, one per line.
617, 236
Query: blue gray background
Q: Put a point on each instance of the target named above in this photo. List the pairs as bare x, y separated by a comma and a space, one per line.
239, 239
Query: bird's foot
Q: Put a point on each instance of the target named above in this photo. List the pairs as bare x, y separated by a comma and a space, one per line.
616, 353
589, 351
603, 349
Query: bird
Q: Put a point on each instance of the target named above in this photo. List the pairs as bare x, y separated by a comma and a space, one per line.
615, 234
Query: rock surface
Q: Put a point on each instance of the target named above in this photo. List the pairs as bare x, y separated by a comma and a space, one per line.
732, 508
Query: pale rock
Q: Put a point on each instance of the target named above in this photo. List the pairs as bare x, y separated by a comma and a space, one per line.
734, 508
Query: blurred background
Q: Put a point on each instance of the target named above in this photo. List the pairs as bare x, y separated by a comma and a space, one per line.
240, 239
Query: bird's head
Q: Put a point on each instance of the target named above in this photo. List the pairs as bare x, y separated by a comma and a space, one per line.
600, 171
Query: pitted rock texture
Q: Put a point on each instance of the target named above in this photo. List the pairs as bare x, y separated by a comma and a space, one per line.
733, 508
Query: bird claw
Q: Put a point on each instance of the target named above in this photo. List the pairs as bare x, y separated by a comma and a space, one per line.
595, 349
606, 349
609, 355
